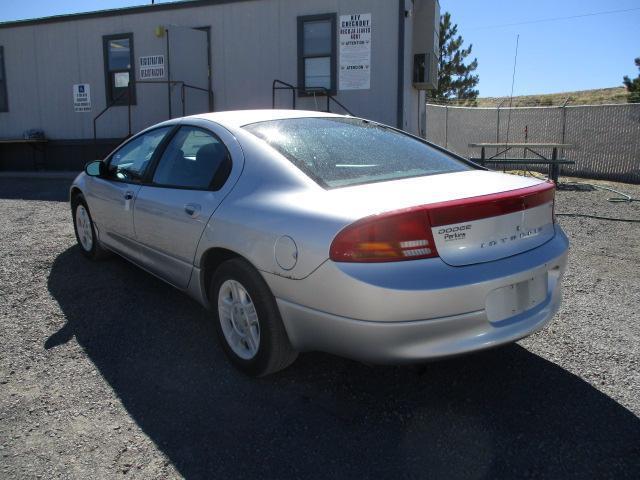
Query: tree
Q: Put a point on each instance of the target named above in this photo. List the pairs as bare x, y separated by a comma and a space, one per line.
455, 78
633, 86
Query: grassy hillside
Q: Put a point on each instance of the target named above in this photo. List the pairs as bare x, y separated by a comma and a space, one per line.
585, 97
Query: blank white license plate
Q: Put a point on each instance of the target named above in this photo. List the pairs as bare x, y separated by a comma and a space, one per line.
506, 302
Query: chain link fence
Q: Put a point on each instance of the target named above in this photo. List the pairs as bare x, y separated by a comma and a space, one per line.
606, 138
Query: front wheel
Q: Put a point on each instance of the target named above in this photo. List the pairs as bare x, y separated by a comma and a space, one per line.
85, 231
248, 321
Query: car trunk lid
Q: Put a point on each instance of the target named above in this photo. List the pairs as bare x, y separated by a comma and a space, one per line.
474, 217
494, 226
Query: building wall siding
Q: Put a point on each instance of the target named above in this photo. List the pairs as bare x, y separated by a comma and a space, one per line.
252, 43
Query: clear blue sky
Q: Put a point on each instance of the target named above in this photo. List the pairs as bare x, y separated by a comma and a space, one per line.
553, 56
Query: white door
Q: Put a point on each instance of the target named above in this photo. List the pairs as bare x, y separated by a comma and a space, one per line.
189, 63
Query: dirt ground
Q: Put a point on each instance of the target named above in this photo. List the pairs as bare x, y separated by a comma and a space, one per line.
107, 372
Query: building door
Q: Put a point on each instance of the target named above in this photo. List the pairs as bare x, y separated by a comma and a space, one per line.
188, 62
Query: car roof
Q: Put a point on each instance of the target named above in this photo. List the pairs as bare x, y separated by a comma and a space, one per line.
239, 118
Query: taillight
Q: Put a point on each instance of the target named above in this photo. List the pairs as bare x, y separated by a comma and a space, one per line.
389, 237
406, 234
493, 205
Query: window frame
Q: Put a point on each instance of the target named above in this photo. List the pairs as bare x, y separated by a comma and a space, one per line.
3, 83
151, 166
107, 73
333, 62
155, 161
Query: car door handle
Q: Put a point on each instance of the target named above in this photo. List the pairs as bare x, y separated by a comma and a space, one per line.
192, 209
128, 195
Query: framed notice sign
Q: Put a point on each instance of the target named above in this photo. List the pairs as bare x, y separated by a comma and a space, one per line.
355, 51
151, 67
82, 97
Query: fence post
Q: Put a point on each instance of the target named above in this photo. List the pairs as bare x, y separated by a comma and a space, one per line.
554, 167
564, 124
446, 126
498, 124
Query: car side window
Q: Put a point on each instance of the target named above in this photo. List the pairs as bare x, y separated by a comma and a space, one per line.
129, 163
194, 158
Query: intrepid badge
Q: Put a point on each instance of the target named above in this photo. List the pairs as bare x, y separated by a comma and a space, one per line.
519, 235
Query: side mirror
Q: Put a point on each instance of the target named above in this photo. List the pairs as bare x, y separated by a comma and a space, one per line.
97, 168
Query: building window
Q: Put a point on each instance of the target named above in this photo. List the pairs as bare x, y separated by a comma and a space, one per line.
119, 68
317, 53
4, 101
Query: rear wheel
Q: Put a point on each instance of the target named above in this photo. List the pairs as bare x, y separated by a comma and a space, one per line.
248, 321
85, 231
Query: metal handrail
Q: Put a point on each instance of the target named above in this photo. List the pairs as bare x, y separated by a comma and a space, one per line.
115, 101
310, 91
183, 87
166, 82
193, 87
104, 110
286, 86
335, 100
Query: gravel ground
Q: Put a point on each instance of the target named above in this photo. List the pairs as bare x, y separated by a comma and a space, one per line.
107, 372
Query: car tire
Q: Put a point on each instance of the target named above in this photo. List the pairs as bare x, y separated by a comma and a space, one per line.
238, 291
85, 230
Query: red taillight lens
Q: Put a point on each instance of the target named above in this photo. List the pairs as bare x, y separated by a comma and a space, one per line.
406, 234
390, 237
492, 205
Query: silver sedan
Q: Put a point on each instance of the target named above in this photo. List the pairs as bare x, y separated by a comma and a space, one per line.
310, 231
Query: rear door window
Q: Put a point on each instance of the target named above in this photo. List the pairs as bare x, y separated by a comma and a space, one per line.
194, 158
339, 152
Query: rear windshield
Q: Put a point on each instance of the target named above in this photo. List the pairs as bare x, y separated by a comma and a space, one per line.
339, 152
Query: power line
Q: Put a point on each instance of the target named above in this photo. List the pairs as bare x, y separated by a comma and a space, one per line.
554, 19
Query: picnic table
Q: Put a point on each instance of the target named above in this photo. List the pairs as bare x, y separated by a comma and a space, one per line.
502, 148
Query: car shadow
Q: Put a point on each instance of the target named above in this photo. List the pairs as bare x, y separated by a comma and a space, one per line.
503, 413
47, 189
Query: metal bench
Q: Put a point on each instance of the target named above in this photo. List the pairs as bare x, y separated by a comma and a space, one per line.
554, 162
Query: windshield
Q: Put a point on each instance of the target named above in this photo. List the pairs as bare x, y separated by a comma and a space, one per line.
339, 152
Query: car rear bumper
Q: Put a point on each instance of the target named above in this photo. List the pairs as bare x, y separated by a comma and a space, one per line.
405, 342
375, 317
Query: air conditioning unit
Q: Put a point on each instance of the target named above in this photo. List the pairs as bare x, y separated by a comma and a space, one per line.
426, 48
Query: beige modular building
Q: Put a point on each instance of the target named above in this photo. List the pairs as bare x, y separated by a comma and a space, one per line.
73, 86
